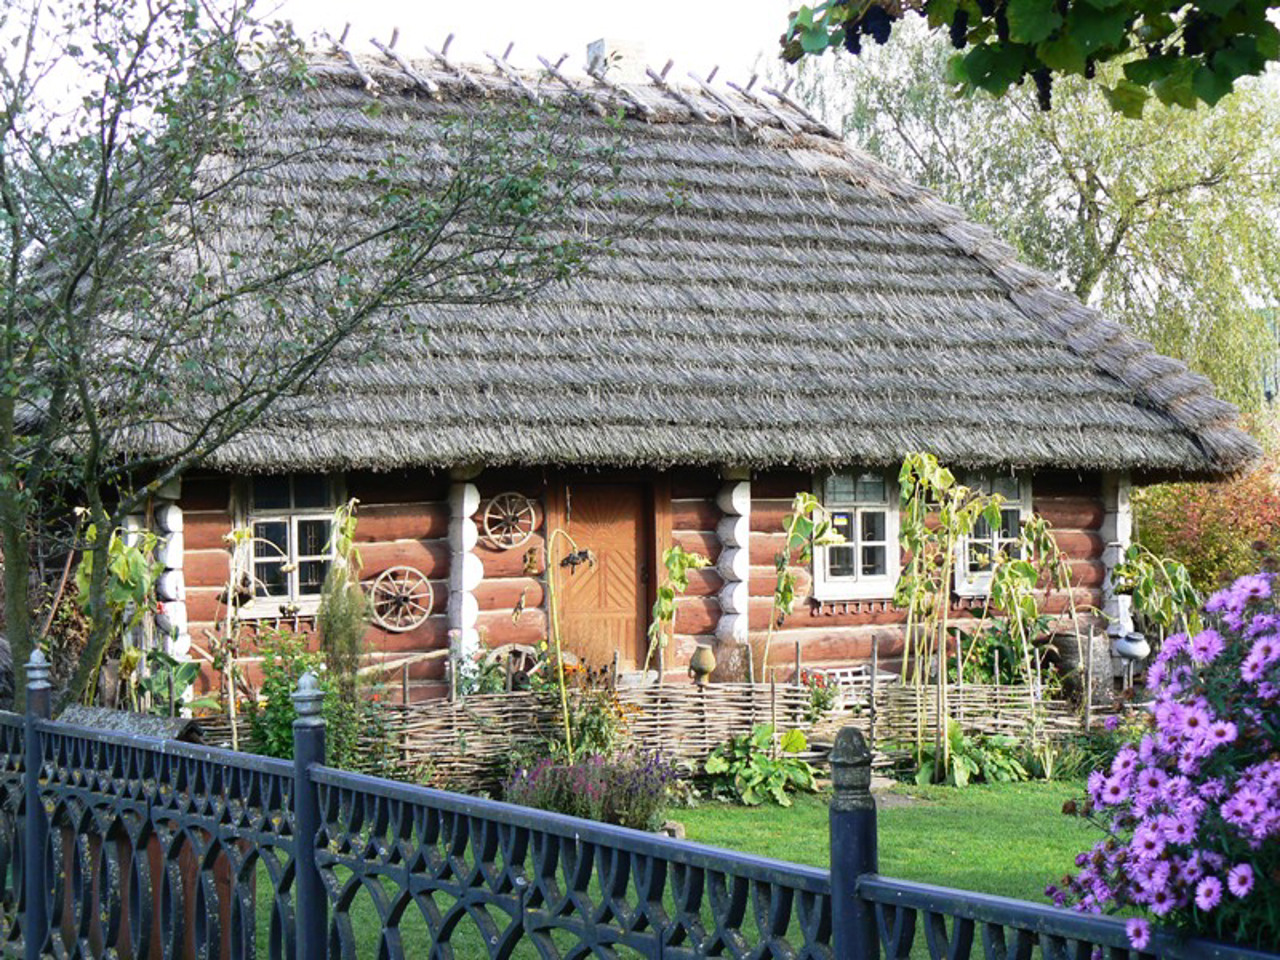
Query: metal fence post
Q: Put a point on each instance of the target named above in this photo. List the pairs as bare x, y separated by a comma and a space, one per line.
35, 916
853, 848
311, 913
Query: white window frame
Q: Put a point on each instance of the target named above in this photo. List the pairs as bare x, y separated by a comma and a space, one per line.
971, 583
859, 587
295, 602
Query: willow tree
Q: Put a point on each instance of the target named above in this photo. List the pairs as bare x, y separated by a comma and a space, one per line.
1165, 223
165, 279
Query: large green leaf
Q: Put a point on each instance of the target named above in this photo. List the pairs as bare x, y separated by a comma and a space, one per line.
793, 741
1031, 21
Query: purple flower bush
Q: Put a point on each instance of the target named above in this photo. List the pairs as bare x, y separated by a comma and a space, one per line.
1192, 811
629, 790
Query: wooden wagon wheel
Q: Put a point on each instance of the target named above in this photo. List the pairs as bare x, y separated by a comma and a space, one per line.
509, 520
401, 598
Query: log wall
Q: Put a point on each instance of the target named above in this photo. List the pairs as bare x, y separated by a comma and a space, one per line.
404, 520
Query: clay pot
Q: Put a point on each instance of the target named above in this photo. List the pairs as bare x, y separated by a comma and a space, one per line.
702, 663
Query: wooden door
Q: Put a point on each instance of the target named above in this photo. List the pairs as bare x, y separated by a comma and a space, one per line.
603, 606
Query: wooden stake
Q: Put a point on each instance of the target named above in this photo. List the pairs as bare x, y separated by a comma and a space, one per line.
1088, 680
871, 692
751, 666
773, 709
797, 676
404, 683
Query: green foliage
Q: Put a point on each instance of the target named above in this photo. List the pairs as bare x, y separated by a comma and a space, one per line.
749, 769
1191, 52
343, 616
356, 733
992, 759
162, 669
1164, 224
1218, 531
806, 526
677, 562
1163, 595
131, 577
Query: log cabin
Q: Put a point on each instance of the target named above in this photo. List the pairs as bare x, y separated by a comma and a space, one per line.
802, 320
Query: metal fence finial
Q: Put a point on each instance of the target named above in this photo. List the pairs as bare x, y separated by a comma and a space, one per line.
851, 771
308, 699
37, 670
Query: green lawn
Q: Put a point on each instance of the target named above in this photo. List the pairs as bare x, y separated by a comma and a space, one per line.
1009, 839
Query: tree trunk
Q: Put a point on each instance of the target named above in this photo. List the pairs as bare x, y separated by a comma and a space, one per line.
17, 586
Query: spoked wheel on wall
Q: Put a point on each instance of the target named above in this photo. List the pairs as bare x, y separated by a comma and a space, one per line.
509, 520
401, 598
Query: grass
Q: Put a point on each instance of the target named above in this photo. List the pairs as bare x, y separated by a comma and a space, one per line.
1009, 839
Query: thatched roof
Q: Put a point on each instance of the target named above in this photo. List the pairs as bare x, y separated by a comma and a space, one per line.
803, 306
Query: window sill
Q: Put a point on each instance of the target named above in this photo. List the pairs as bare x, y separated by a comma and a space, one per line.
266, 609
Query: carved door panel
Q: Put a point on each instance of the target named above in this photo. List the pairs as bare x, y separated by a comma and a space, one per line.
603, 607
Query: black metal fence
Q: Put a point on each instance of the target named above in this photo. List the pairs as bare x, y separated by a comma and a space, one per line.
122, 846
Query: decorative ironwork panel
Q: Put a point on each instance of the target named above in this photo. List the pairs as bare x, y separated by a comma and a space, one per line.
12, 810
161, 845
954, 922
445, 874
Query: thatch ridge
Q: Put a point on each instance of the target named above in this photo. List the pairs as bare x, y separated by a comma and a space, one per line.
805, 306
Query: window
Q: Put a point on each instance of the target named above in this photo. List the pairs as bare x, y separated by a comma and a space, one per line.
977, 552
863, 509
291, 519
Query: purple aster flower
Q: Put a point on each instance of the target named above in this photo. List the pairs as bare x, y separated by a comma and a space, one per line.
1208, 893
1139, 933
1114, 789
1207, 646
1111, 723
1240, 880
1221, 731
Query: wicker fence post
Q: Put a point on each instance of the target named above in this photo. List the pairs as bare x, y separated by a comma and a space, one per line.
311, 909
35, 838
853, 848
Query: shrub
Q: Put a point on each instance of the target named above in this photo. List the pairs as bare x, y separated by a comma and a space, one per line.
629, 791
355, 736
824, 693
746, 768
1192, 812
1218, 530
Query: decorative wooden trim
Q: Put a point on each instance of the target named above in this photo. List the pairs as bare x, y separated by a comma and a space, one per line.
734, 566
465, 567
1117, 533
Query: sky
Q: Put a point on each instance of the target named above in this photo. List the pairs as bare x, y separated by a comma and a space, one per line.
697, 34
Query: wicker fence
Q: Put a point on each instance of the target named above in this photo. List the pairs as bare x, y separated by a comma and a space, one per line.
467, 744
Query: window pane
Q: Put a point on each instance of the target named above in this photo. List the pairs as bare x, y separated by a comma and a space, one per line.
838, 488
873, 561
840, 562
871, 488
1008, 488
310, 490
271, 493
982, 529
1010, 524
313, 537
842, 523
311, 574
979, 555
271, 580
873, 523
271, 540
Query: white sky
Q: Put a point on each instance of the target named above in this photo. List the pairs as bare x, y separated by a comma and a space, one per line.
697, 34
